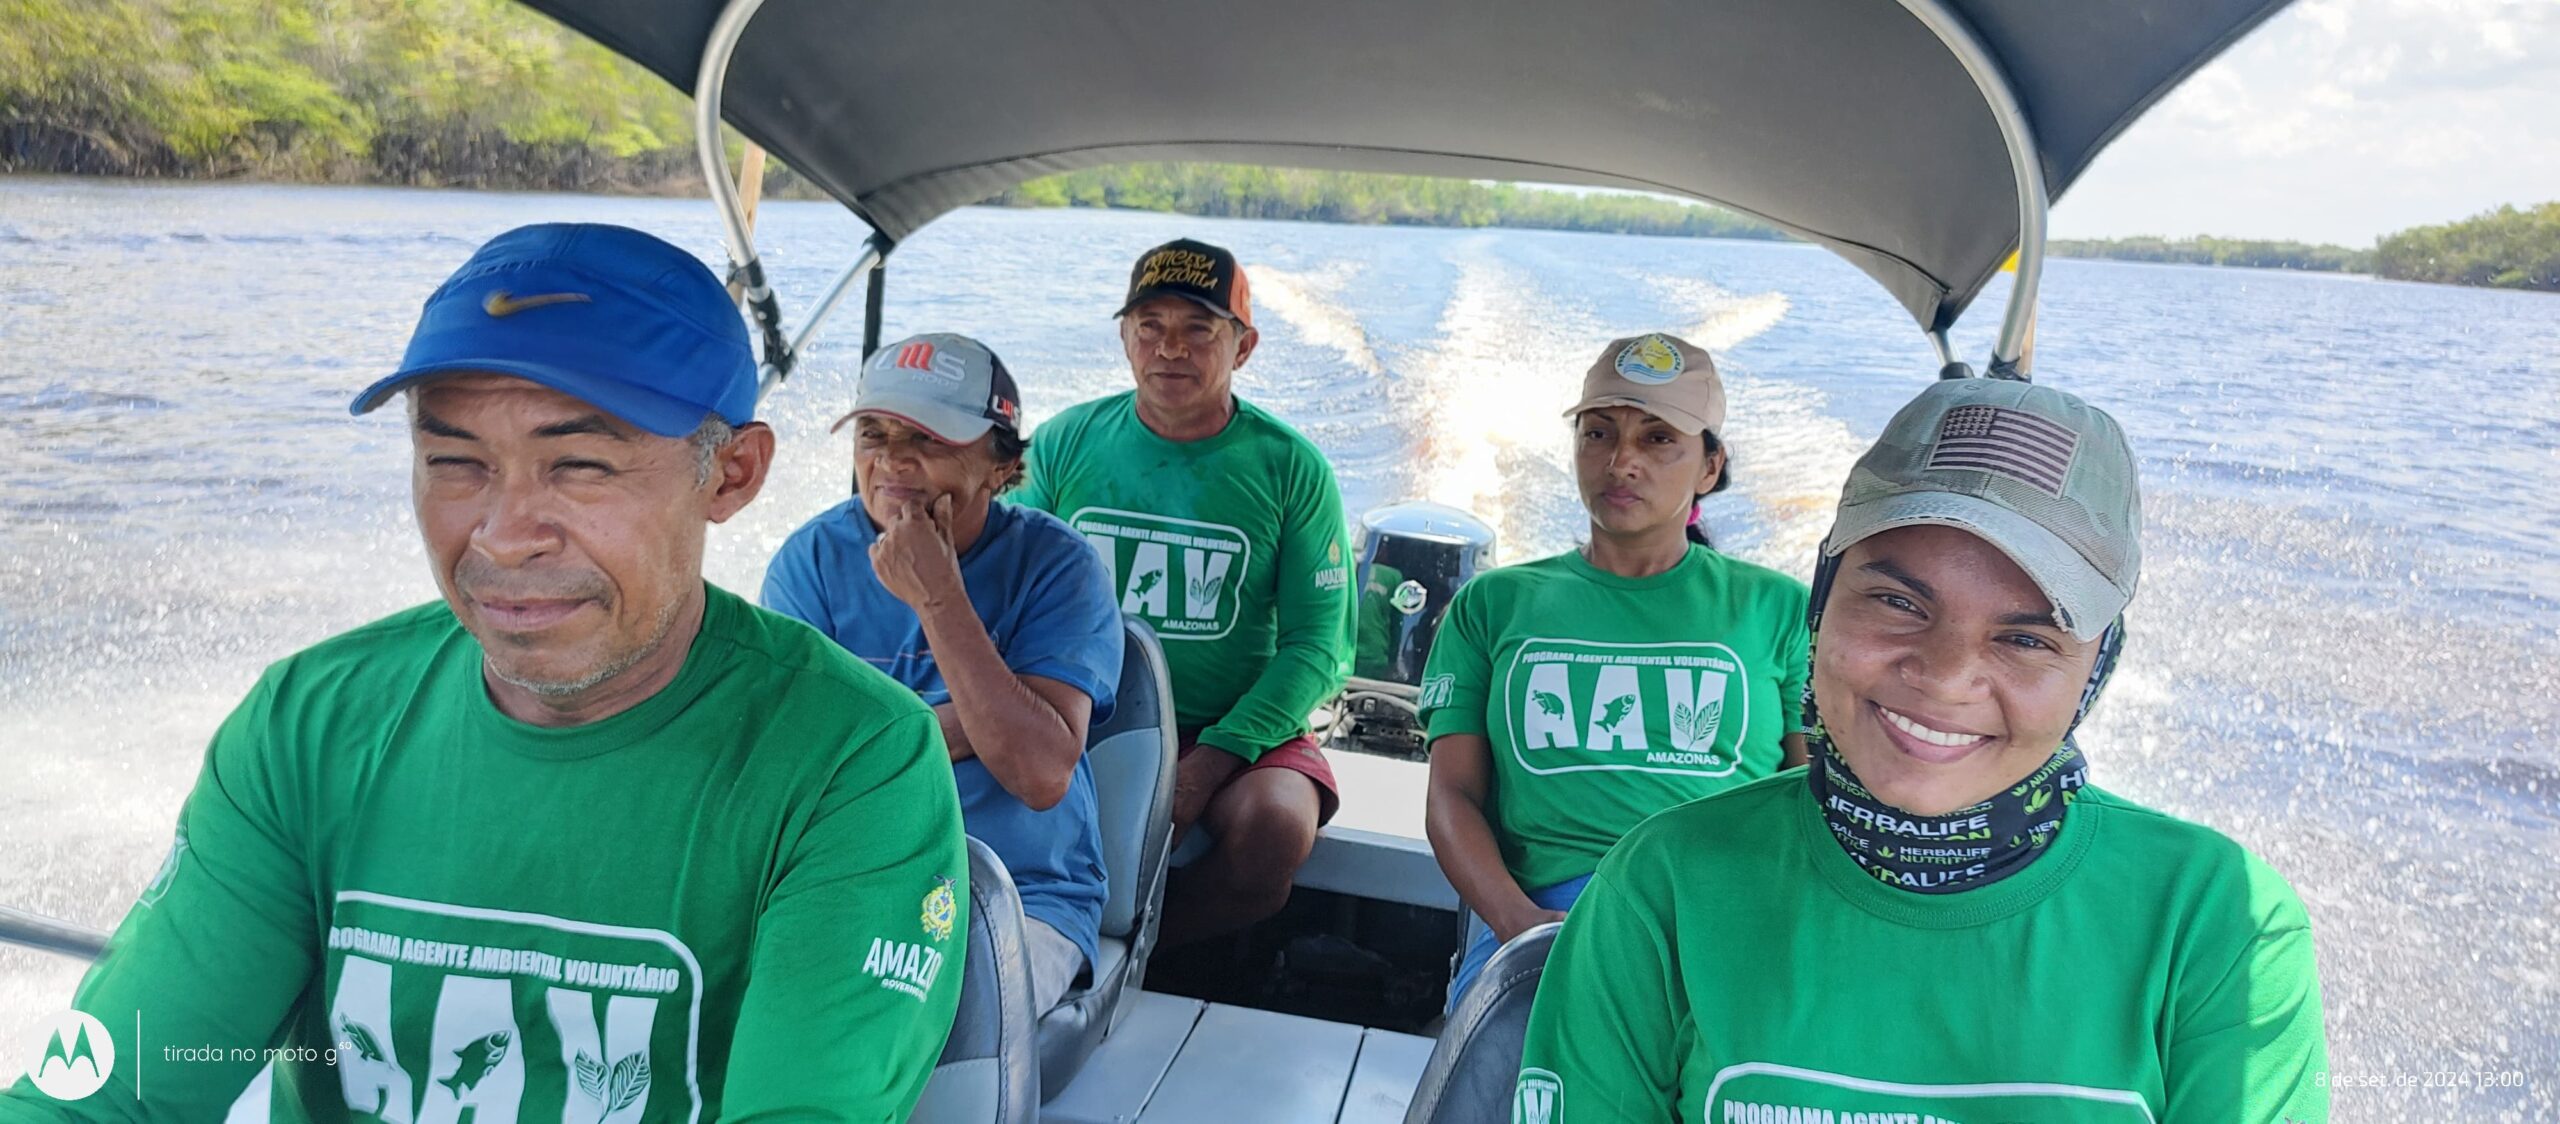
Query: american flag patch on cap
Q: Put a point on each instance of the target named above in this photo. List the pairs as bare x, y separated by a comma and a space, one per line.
2013, 443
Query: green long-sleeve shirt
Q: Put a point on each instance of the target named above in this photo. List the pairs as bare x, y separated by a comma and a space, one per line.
743, 898
1731, 963
1230, 546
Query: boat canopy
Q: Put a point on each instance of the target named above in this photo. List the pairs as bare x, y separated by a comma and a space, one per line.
1919, 139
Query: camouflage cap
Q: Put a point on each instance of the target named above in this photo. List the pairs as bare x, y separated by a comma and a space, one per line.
2036, 472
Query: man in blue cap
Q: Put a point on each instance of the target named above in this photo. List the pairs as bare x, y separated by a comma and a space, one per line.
588, 838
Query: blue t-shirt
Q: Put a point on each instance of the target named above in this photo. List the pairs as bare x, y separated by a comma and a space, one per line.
1041, 592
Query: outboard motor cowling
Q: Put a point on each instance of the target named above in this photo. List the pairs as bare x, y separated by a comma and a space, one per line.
1413, 558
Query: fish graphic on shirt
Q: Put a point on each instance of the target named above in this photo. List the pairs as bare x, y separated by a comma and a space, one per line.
1616, 711
478, 1057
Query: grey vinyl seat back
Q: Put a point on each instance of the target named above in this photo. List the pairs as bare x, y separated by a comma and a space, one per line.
1476, 1063
1131, 755
989, 1072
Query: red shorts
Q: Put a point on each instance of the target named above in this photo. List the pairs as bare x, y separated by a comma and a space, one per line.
1298, 755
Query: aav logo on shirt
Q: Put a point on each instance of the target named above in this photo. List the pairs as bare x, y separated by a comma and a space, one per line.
1179, 575
1768, 1093
1574, 705
1537, 1097
445, 1013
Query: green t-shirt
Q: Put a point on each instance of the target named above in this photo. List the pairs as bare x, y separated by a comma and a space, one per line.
1731, 963
744, 897
1230, 546
1607, 699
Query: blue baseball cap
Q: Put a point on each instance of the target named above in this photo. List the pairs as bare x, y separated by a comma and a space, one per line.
617, 318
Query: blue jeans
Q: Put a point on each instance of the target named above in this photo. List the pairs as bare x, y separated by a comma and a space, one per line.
1480, 943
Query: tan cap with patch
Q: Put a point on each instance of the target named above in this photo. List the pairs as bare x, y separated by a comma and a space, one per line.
1662, 375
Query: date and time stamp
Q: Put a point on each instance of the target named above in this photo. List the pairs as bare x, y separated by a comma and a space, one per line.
2452, 1080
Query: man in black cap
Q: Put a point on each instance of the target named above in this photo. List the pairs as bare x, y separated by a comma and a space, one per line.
1223, 529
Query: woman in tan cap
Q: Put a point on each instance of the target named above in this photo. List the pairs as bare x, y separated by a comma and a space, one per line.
1569, 698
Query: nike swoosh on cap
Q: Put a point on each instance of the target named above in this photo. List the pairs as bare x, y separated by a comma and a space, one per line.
503, 303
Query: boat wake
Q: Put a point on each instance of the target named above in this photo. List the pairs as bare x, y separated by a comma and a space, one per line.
1789, 454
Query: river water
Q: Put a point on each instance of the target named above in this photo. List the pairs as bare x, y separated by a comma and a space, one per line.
2346, 651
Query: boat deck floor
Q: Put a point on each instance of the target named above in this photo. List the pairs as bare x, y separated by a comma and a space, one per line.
1185, 1060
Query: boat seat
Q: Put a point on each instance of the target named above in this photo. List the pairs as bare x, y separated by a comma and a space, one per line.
988, 1072
1476, 1063
1131, 754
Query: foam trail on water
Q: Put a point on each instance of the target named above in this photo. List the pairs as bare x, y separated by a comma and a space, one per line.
1735, 320
1311, 301
1790, 454
1493, 395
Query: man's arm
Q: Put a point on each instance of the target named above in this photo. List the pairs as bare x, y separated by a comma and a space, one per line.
1314, 605
1028, 731
856, 969
216, 951
1027, 728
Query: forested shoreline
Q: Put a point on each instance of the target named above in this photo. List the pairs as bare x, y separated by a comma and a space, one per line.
488, 94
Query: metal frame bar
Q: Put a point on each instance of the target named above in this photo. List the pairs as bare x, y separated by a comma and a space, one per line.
874, 250
2026, 166
2017, 135
44, 934
745, 267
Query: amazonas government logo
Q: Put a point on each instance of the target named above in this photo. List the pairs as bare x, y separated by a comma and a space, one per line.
73, 1056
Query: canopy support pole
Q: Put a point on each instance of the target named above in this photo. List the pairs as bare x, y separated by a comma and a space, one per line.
44, 934
2026, 166
874, 250
872, 303
746, 270
1948, 366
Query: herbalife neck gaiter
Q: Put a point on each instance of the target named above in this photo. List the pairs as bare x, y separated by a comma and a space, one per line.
1968, 847
1960, 850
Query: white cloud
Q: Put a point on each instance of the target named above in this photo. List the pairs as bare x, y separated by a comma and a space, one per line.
2340, 120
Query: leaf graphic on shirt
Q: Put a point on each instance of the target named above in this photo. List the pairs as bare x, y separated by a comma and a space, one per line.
591, 1075
630, 1081
1204, 590
1617, 711
1547, 701
1710, 715
1681, 724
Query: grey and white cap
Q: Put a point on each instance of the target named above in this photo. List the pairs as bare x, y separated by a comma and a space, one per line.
948, 385
2036, 472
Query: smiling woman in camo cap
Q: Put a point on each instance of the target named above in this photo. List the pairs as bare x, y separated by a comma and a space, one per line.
1569, 698
1940, 918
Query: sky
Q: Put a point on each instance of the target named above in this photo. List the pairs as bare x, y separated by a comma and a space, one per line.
2340, 120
